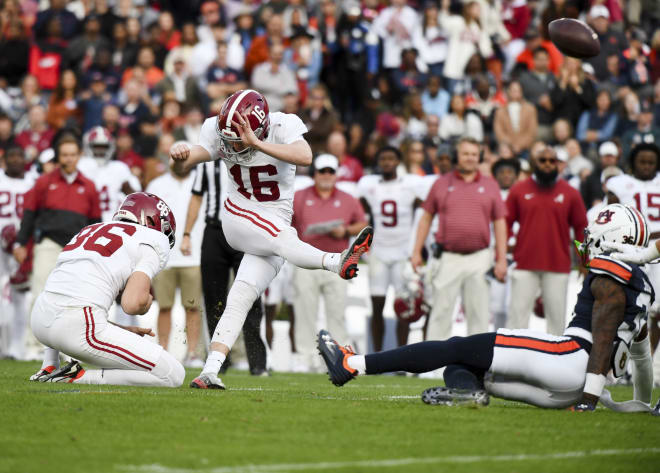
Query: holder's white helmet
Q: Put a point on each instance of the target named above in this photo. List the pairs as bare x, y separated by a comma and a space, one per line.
616, 223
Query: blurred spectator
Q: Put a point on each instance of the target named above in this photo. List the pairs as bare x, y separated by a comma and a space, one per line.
516, 123
407, 77
211, 14
190, 129
319, 118
169, 36
51, 216
182, 270
46, 55
397, 27
102, 65
145, 61
63, 106
80, 52
415, 117
106, 17
548, 206
92, 102
274, 79
654, 56
485, 100
124, 49
260, 48
435, 99
350, 169
315, 206
244, 26
30, 94
431, 40
533, 41
170, 114
470, 201
110, 119
577, 164
14, 54
441, 162
597, 125
57, 11
133, 110
128, 156
516, 16
184, 49
644, 132
222, 80
637, 61
304, 59
6, 134
591, 189
611, 40
574, 92
537, 84
180, 84
414, 157
466, 37
38, 136
459, 123
616, 82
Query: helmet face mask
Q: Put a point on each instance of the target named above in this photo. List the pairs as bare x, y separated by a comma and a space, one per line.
254, 107
99, 144
616, 223
148, 210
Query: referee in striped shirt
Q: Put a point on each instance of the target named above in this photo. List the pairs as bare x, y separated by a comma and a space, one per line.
217, 259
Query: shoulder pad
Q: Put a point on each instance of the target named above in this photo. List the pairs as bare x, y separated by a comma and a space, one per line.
607, 266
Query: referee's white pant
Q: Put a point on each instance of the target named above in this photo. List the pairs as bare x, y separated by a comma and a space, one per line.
309, 286
455, 274
525, 286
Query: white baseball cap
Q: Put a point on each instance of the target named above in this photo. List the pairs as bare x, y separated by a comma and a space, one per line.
47, 155
326, 160
598, 11
608, 148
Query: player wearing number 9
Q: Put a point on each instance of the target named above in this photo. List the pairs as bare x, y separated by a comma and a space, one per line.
100, 262
261, 150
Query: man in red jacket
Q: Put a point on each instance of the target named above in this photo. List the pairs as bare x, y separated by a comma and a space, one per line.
546, 207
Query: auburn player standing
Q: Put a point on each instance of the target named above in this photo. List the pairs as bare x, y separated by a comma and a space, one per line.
14, 184
608, 328
391, 201
102, 261
261, 150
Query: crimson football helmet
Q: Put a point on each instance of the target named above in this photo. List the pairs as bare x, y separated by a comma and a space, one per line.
99, 144
150, 211
409, 305
255, 106
8, 238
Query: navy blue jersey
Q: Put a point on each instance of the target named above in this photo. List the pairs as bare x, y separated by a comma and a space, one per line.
639, 297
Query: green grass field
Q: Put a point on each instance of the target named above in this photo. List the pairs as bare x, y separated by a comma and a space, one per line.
303, 423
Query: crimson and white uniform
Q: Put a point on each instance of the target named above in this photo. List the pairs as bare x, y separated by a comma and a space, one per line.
259, 203
71, 315
13, 302
391, 203
109, 179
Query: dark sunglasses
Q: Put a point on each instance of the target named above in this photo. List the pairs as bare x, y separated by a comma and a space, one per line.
326, 171
548, 160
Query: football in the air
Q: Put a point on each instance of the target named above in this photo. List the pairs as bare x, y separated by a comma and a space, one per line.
574, 38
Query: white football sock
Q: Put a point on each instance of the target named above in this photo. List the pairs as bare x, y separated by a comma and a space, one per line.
214, 362
357, 362
51, 358
331, 262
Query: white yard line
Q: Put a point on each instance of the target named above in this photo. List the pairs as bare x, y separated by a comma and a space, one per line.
385, 463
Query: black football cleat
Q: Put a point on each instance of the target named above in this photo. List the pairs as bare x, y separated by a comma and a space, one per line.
70, 372
336, 358
455, 397
350, 257
207, 381
656, 409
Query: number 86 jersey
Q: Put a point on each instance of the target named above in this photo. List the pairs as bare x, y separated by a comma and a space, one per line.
643, 195
261, 178
96, 264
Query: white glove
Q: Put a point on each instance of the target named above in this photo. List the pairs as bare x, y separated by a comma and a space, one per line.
631, 253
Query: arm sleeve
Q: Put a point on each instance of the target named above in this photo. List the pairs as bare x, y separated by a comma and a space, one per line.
608, 130
149, 262
511, 205
499, 209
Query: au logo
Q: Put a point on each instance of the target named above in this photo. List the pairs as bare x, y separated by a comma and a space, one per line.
604, 217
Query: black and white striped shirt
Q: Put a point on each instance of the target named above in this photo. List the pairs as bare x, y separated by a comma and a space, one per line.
208, 182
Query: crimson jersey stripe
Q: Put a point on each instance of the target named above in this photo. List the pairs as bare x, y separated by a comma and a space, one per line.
247, 217
254, 214
96, 344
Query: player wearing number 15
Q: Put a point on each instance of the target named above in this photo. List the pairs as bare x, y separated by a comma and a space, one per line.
102, 261
261, 150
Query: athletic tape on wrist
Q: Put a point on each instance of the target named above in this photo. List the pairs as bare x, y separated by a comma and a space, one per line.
594, 384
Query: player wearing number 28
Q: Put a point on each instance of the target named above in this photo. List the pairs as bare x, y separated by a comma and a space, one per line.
261, 150
101, 262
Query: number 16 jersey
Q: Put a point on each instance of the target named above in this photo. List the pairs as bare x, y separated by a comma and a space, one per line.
96, 264
262, 178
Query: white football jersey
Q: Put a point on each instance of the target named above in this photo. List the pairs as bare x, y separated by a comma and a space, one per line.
109, 179
643, 195
96, 264
391, 204
262, 178
12, 193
